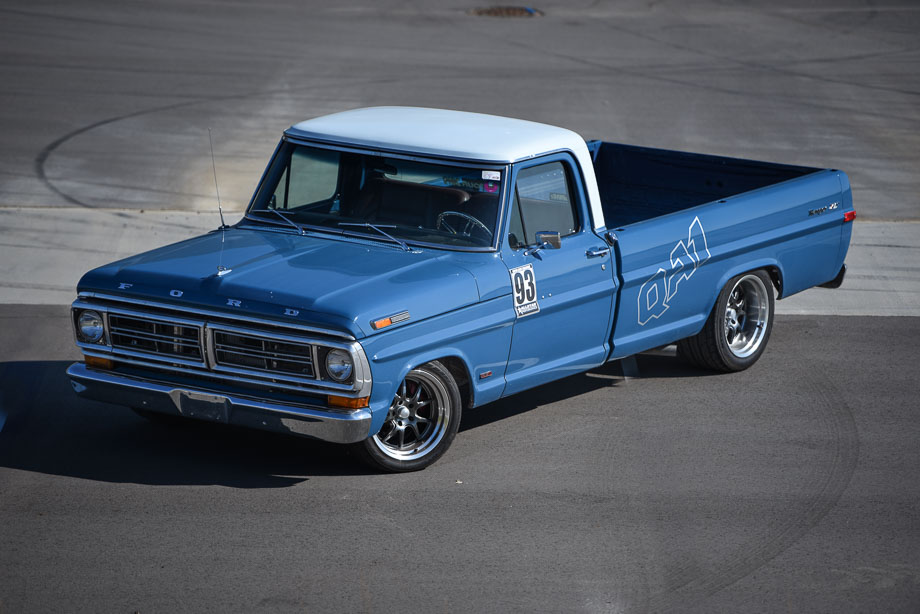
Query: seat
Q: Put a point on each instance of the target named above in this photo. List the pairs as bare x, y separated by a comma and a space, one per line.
405, 202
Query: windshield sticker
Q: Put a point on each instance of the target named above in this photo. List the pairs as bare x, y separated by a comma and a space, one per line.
492, 175
490, 186
659, 290
524, 289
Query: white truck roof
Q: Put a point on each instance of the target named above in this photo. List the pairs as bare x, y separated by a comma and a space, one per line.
453, 134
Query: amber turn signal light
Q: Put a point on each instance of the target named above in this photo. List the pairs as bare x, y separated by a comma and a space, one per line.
378, 324
346, 402
99, 363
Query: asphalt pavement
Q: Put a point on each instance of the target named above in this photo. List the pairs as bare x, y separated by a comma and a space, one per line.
789, 487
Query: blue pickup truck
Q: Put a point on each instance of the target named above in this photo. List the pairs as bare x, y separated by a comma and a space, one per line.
396, 266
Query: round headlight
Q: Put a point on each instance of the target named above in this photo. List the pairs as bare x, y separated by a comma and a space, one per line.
339, 365
91, 327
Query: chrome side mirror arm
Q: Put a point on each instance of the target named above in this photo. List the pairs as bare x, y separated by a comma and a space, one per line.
546, 239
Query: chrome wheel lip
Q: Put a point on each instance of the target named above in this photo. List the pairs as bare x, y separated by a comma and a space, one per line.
747, 315
424, 432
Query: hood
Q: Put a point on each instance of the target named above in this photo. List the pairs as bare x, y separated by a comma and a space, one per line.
329, 281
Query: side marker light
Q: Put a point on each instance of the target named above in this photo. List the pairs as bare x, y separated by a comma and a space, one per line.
849, 216
383, 323
346, 402
99, 363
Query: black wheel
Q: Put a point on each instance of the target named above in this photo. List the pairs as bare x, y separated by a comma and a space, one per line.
421, 424
737, 331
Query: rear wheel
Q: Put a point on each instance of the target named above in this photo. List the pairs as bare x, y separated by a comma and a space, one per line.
421, 423
737, 331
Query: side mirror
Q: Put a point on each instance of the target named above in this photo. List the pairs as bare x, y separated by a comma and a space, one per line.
548, 239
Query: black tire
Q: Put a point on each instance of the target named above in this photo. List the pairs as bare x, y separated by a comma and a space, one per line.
738, 328
421, 424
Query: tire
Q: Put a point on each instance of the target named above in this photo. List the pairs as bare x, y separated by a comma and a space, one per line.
421, 424
737, 331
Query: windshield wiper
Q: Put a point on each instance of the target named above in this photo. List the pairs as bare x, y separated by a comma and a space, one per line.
379, 229
283, 217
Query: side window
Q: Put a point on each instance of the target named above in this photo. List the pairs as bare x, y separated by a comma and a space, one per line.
312, 176
542, 201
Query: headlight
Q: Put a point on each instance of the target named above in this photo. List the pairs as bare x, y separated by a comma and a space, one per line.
339, 365
90, 326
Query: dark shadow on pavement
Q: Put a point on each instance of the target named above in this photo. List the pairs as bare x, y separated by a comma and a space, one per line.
655, 365
50, 430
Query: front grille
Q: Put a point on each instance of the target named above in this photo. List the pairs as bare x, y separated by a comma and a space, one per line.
247, 351
140, 334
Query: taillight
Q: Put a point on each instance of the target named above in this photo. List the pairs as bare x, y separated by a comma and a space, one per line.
849, 216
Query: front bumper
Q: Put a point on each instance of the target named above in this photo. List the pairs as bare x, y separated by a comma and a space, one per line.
334, 426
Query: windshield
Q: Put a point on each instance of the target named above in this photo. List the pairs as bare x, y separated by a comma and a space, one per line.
389, 199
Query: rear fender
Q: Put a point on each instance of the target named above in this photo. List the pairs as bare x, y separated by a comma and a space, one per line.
771, 265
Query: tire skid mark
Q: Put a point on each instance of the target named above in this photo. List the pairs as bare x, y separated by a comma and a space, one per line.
840, 425
42, 158
46, 151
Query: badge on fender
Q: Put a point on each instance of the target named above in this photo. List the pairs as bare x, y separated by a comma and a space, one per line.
524, 290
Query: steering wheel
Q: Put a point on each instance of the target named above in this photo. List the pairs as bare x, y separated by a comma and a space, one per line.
471, 222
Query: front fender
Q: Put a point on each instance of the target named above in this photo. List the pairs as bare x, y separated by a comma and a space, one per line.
479, 335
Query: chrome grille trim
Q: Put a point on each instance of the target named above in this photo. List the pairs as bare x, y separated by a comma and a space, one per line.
123, 349
150, 335
222, 349
208, 366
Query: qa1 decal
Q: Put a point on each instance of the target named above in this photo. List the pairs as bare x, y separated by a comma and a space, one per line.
524, 290
656, 293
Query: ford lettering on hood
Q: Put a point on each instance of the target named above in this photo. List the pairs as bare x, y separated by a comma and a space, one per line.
326, 279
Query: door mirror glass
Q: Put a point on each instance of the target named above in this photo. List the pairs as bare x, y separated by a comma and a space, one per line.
548, 239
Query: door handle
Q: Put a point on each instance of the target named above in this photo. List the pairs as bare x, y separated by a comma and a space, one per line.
596, 252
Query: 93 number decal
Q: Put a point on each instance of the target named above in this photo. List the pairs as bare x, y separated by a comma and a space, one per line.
524, 290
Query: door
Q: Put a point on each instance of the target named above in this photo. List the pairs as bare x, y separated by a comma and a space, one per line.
562, 298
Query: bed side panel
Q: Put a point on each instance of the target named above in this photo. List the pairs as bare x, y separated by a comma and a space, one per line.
673, 267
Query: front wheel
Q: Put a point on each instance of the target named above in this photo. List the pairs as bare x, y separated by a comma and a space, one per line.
421, 423
737, 331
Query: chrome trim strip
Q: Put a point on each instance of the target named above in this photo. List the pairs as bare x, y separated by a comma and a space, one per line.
159, 360
320, 387
263, 354
146, 315
157, 337
206, 313
255, 332
308, 421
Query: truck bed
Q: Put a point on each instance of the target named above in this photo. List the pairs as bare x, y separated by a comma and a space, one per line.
640, 183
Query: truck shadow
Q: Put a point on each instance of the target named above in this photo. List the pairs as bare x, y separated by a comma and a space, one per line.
657, 364
48, 429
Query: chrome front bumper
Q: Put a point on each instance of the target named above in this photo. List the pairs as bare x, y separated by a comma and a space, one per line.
334, 426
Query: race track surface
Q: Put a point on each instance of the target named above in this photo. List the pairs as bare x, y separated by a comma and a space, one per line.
790, 487
793, 486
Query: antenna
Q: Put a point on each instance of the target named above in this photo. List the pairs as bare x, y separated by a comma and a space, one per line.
216, 187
